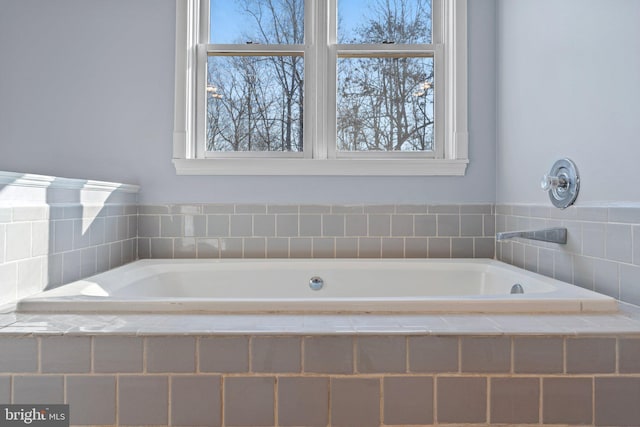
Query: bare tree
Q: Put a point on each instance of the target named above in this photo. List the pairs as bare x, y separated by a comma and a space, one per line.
260, 98
384, 103
281, 22
393, 96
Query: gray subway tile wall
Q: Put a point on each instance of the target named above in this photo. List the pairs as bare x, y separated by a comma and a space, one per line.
573, 380
567, 400
461, 399
184, 247
514, 400
294, 393
45, 246
224, 354
241, 393
114, 354
319, 231
533, 355
30, 389
143, 400
93, 399
602, 252
66, 354
329, 355
303, 401
355, 402
276, 354
408, 400
196, 400
486, 354
591, 355
616, 401
433, 354
171, 354
381, 354
3, 233
629, 355
18, 354
629, 287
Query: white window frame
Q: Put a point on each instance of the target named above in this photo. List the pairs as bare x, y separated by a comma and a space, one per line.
320, 157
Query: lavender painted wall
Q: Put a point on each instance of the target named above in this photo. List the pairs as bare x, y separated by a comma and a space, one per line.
86, 91
569, 86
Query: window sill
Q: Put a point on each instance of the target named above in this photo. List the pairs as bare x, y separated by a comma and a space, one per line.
314, 167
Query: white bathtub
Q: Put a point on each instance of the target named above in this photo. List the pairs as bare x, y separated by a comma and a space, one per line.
350, 286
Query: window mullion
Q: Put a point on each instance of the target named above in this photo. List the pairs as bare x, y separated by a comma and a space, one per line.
437, 17
204, 26
440, 98
310, 131
200, 116
316, 79
201, 101
379, 50
255, 49
328, 101
454, 25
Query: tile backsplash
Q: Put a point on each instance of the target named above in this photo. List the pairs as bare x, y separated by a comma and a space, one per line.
317, 231
389, 379
56, 230
602, 251
44, 246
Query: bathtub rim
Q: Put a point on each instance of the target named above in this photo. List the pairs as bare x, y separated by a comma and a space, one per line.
589, 302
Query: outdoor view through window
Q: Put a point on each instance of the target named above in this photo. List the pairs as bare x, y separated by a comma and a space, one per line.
384, 89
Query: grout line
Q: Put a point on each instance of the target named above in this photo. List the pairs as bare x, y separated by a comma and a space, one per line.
407, 361
117, 398
435, 398
65, 386
302, 354
12, 388
169, 398
381, 401
354, 353
540, 400
593, 399
512, 349
250, 354
197, 355
564, 355
39, 354
275, 400
459, 355
92, 354
617, 356
222, 400
144, 355
330, 401
488, 401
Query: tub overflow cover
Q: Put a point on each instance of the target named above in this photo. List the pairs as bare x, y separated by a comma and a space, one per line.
316, 283
517, 289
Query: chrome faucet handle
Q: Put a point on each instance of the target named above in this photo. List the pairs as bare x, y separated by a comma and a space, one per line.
549, 181
562, 183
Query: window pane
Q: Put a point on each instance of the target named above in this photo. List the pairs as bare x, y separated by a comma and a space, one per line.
385, 104
257, 21
384, 21
254, 103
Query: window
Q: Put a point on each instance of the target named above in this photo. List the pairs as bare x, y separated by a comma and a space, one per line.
321, 87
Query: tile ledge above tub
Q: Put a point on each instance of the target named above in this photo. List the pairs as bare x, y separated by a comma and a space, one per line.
32, 188
625, 322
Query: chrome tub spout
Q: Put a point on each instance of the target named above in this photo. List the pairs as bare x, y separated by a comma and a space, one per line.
552, 235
